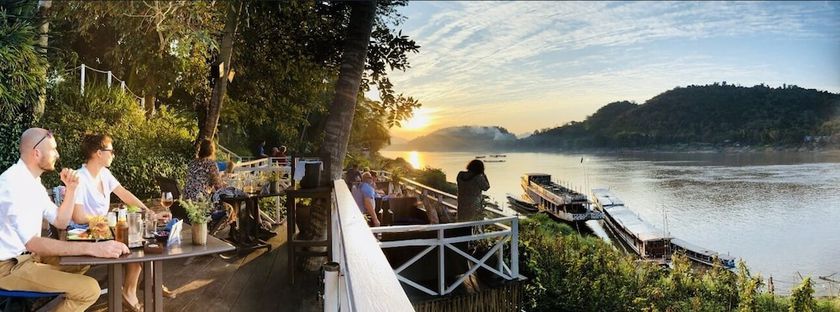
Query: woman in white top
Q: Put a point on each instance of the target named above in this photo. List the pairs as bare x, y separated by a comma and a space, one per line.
93, 198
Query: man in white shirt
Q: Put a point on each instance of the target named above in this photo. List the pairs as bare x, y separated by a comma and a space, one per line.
27, 260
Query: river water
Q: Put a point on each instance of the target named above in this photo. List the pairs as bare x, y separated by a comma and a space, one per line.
778, 211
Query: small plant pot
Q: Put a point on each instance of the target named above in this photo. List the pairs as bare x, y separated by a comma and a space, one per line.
199, 234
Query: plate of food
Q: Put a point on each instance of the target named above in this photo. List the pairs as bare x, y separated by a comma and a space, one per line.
97, 230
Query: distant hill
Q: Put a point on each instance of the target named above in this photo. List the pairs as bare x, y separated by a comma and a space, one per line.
472, 138
712, 114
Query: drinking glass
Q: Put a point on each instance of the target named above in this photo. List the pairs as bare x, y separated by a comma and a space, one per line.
112, 219
166, 199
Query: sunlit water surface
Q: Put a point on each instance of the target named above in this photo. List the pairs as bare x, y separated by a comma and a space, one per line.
779, 211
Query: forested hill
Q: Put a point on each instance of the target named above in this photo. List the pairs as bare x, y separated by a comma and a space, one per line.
716, 114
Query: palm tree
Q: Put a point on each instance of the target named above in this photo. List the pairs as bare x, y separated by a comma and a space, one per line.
340, 119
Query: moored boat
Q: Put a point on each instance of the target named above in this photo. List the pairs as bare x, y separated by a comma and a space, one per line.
559, 201
521, 204
702, 255
647, 241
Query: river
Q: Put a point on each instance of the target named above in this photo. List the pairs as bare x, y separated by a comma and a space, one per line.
778, 211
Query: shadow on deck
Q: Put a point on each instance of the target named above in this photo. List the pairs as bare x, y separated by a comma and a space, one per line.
256, 281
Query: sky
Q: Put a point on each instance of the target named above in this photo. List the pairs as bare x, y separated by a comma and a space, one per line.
532, 65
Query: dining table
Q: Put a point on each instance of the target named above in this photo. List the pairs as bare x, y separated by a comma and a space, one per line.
152, 267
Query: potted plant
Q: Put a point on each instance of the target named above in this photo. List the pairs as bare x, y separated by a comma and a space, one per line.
198, 211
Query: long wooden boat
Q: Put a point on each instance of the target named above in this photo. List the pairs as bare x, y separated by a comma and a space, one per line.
559, 201
644, 239
648, 242
702, 255
521, 205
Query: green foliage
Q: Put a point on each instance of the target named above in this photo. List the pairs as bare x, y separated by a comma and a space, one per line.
22, 75
145, 148
161, 48
704, 114
368, 129
434, 178
198, 210
569, 272
802, 297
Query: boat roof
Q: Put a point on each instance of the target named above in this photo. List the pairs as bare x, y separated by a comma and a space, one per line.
607, 197
630, 221
535, 174
698, 249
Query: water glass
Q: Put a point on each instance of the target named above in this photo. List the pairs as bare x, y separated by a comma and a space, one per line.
112, 219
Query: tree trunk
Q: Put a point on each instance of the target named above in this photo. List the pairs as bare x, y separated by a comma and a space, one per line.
340, 118
220, 87
43, 42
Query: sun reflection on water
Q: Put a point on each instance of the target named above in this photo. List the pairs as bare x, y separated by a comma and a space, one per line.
415, 160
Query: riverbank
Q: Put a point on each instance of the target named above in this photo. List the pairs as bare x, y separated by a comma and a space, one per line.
676, 148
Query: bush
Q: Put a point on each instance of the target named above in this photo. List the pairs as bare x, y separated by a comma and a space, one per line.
435, 178
569, 272
145, 148
22, 75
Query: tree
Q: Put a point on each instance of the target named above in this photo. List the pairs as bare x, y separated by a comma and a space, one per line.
340, 118
211, 120
21, 79
158, 47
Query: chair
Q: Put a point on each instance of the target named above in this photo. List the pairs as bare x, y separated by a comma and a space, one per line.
170, 185
17, 300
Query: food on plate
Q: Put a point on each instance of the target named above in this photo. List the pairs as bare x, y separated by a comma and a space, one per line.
98, 227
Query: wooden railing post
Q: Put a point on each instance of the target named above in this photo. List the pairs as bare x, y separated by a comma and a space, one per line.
514, 248
442, 270
83, 80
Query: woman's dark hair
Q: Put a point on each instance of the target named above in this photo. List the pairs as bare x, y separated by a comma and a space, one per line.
93, 143
207, 149
476, 166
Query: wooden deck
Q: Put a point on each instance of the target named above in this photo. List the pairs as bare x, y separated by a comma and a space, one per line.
256, 281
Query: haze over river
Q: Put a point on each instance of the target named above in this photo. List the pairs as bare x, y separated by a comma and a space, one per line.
779, 211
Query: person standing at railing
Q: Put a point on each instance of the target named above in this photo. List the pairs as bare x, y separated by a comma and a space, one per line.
28, 262
470, 185
260, 151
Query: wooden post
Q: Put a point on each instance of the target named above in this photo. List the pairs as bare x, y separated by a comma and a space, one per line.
514, 248
122, 86
109, 78
83, 79
441, 268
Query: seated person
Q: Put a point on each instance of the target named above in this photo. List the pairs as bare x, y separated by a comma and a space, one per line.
23, 204
93, 198
365, 198
202, 174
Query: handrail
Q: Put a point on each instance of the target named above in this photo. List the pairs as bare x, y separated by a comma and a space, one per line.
506, 235
364, 284
229, 152
423, 186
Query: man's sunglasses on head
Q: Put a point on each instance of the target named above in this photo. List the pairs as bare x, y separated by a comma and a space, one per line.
48, 135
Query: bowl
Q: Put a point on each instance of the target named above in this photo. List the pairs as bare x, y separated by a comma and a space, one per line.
162, 237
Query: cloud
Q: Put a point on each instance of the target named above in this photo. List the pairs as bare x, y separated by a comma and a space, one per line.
480, 56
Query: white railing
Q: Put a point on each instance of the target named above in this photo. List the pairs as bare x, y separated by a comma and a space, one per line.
269, 165
503, 235
441, 198
110, 79
231, 155
365, 279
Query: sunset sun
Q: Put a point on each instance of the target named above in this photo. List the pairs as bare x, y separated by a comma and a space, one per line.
418, 121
